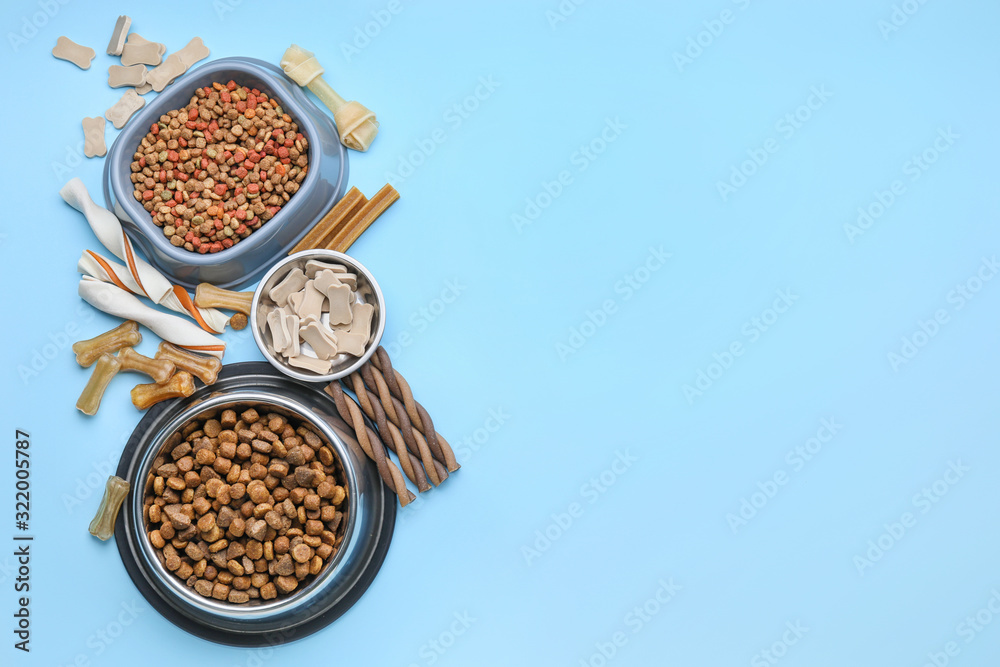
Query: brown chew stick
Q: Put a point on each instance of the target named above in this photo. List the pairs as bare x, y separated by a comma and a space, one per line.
145, 395
203, 367
324, 230
370, 212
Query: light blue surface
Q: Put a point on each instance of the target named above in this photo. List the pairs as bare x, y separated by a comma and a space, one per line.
551, 89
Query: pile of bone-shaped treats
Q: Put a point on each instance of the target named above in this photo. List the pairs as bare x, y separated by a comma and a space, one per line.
301, 299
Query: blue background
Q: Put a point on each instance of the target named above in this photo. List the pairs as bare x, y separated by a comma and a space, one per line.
506, 344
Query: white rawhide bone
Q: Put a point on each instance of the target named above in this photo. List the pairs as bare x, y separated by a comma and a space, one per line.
143, 279
115, 301
97, 266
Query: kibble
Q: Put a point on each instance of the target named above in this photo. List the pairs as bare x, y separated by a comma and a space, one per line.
214, 171
252, 534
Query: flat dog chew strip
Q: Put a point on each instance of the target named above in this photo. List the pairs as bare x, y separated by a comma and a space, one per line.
67, 49
368, 214
318, 366
203, 367
123, 109
159, 370
293, 281
324, 230
125, 334
93, 137
145, 395
140, 51
120, 76
118, 36
90, 400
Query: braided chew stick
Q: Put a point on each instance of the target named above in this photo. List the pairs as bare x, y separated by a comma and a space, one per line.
400, 388
394, 410
393, 439
370, 442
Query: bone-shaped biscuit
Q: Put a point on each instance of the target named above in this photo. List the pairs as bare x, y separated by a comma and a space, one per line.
325, 279
312, 302
361, 320
293, 281
290, 323
120, 76
322, 340
318, 366
176, 64
340, 304
279, 341
140, 51
351, 343
295, 300
143, 89
123, 109
314, 266
93, 135
67, 49
117, 42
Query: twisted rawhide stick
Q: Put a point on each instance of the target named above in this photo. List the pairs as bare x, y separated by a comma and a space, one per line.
400, 389
370, 443
396, 413
412, 466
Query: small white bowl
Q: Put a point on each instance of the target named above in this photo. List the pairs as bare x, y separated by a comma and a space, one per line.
367, 291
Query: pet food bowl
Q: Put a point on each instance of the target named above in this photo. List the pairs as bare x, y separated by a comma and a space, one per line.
324, 184
369, 518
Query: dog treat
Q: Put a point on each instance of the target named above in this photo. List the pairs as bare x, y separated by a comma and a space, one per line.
118, 36
67, 49
140, 51
312, 302
400, 389
260, 511
351, 343
318, 366
290, 323
202, 367
143, 89
356, 124
93, 137
413, 465
361, 319
236, 177
176, 64
370, 442
146, 395
322, 340
210, 296
90, 400
279, 338
125, 334
115, 491
314, 267
124, 108
340, 304
115, 301
140, 277
322, 232
239, 321
159, 370
293, 281
368, 214
120, 76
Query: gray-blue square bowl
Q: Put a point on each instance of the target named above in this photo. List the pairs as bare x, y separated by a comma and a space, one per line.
242, 264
